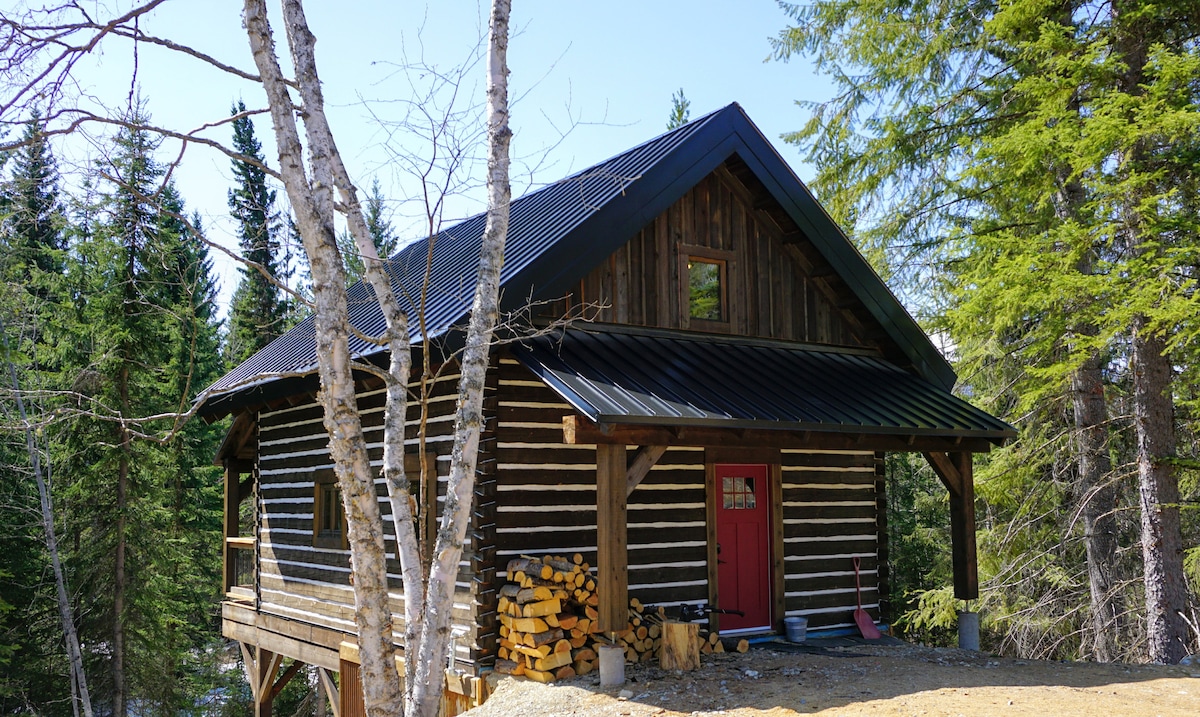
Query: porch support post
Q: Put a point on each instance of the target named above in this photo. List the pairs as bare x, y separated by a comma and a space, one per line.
956, 472
611, 538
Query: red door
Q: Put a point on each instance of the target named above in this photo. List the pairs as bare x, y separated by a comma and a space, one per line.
743, 545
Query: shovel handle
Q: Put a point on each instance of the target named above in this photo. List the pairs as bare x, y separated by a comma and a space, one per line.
857, 583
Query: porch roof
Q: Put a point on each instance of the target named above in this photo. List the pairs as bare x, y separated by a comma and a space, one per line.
635, 376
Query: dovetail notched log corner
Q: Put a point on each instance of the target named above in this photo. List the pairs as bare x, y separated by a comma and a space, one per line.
730, 360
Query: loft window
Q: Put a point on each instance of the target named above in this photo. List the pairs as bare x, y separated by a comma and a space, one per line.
329, 518
706, 289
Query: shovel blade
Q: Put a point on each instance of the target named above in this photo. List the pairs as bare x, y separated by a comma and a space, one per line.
866, 625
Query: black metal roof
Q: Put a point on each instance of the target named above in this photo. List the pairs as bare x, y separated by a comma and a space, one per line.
626, 375
560, 232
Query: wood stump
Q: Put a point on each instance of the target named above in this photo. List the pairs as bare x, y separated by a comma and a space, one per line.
680, 648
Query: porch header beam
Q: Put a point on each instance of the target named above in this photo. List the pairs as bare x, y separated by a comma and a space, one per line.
579, 430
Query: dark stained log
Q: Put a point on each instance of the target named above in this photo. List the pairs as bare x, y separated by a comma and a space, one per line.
611, 538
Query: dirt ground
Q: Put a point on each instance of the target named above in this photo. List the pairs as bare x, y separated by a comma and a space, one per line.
836, 678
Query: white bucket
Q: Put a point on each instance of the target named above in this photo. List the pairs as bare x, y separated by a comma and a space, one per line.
796, 628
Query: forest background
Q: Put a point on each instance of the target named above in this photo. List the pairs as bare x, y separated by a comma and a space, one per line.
1021, 173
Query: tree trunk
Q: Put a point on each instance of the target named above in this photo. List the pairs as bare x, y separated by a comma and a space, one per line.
1153, 400
1099, 502
1162, 543
1096, 491
80, 697
120, 689
426, 694
313, 203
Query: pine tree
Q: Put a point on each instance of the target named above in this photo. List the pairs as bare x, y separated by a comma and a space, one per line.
1031, 162
258, 314
378, 226
681, 110
146, 514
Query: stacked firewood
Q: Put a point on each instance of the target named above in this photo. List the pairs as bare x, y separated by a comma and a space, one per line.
548, 621
711, 643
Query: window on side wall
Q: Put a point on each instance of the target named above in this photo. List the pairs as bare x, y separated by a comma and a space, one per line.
329, 516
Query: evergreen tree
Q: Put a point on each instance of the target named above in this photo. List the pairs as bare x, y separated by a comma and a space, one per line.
380, 228
1037, 158
258, 314
32, 301
681, 110
146, 514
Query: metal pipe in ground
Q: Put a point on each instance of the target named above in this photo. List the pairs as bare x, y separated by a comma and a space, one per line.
968, 630
612, 665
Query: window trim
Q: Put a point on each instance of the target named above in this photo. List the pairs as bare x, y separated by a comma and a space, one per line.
338, 540
726, 261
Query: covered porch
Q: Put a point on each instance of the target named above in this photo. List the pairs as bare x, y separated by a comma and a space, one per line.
639, 392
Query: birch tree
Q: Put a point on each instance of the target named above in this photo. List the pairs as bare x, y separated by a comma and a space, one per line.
40, 50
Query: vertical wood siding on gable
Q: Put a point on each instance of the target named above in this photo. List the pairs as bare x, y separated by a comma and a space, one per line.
770, 293
311, 584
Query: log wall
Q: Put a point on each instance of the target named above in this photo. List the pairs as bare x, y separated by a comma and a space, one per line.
546, 504
311, 584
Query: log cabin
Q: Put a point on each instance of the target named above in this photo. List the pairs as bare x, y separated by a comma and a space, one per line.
708, 427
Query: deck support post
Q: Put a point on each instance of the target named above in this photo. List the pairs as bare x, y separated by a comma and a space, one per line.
611, 538
261, 665
955, 470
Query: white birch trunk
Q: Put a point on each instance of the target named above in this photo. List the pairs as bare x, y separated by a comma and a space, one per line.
310, 187
432, 653
79, 688
310, 191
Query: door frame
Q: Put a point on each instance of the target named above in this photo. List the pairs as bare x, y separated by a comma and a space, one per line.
763, 456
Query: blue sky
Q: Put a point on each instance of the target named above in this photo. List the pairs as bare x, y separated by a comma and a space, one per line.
605, 70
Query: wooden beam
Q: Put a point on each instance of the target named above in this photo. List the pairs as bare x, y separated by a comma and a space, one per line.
955, 470
266, 664
645, 459
285, 678
713, 557
331, 691
946, 470
611, 538
578, 430
962, 531
231, 527
250, 670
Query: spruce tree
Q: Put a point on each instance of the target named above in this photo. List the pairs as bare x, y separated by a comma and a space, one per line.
1032, 163
146, 513
33, 303
258, 314
380, 228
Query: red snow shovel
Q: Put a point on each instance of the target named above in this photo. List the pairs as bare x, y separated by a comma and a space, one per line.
865, 624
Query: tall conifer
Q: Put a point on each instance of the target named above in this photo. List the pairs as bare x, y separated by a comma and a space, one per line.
32, 300
145, 512
258, 314
1033, 161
